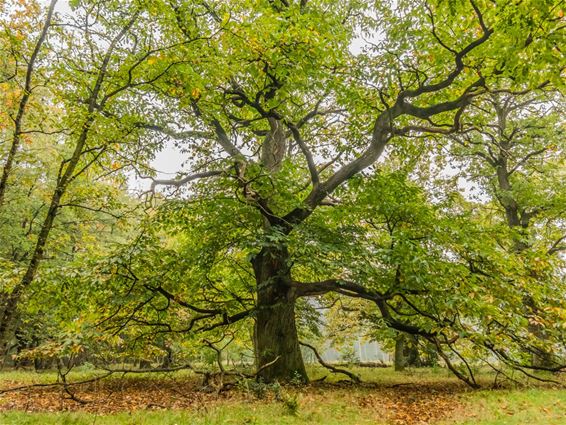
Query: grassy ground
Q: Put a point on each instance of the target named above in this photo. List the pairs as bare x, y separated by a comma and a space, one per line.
423, 396
514, 407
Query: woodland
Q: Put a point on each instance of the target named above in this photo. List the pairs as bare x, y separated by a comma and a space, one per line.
386, 170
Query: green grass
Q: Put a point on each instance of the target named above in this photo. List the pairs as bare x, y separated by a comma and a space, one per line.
538, 405
332, 413
25, 377
514, 407
238, 416
386, 375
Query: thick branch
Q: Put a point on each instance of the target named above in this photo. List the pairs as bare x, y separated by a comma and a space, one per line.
355, 290
344, 287
184, 180
458, 59
221, 135
383, 131
177, 135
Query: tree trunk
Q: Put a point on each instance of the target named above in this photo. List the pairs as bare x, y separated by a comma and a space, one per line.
18, 121
276, 339
406, 352
11, 300
517, 219
399, 357
65, 177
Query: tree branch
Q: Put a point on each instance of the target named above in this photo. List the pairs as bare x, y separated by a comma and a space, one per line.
184, 180
334, 369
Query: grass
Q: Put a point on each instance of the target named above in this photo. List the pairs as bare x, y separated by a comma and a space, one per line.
421, 396
234, 415
77, 374
544, 406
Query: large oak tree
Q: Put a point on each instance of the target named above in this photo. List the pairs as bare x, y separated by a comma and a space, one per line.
294, 117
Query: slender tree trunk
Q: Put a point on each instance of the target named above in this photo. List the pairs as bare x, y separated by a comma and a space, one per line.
519, 220
9, 311
277, 342
16, 138
399, 358
9, 301
65, 177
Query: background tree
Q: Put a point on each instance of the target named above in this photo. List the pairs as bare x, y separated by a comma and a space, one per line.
81, 141
513, 148
26, 90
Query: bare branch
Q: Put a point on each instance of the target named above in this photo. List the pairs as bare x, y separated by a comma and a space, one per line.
334, 369
306, 152
177, 135
184, 180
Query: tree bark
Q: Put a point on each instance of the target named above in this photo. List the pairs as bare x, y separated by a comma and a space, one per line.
11, 300
399, 355
18, 121
406, 352
517, 219
65, 177
277, 343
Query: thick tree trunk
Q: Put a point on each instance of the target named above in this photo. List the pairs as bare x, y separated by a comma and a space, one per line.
277, 349
276, 339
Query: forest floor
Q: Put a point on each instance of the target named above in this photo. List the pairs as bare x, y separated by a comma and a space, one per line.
412, 397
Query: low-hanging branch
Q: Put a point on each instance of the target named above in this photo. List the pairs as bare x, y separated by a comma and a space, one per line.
334, 369
355, 290
124, 371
